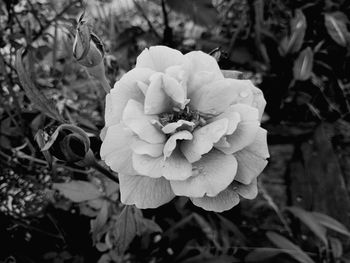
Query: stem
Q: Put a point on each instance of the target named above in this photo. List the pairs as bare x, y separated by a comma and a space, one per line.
104, 171
105, 84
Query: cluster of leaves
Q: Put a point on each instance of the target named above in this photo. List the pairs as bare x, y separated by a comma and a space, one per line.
297, 51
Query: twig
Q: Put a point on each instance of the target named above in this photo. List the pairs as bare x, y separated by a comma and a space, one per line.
139, 8
104, 171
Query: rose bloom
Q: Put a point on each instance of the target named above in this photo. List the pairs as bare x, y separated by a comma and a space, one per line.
175, 126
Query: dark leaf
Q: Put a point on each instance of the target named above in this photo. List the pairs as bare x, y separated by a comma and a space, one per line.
262, 254
331, 223
289, 248
78, 191
303, 65
336, 27
309, 220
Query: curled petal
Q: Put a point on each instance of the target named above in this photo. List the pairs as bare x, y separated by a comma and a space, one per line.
252, 159
170, 145
141, 147
159, 58
140, 123
211, 175
156, 100
225, 200
176, 167
175, 91
233, 119
204, 139
180, 124
124, 90
247, 191
216, 97
259, 101
246, 130
144, 192
116, 151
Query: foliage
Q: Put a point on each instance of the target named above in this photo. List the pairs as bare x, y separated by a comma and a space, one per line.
57, 211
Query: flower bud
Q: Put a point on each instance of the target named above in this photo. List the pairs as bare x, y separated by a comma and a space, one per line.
87, 48
303, 65
68, 143
292, 44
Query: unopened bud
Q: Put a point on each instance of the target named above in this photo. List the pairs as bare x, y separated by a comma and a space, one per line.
87, 48
303, 65
68, 143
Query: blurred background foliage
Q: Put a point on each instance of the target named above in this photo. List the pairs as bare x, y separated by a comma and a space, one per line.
297, 52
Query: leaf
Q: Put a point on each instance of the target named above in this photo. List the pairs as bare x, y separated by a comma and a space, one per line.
262, 254
202, 12
78, 191
303, 65
336, 247
309, 220
331, 223
36, 97
288, 247
336, 27
100, 221
125, 230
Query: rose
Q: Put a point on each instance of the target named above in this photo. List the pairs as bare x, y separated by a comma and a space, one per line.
175, 126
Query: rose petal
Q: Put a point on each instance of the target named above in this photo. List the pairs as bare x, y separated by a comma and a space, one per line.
225, 200
203, 70
175, 91
211, 175
139, 123
180, 124
144, 192
246, 130
159, 58
156, 100
252, 159
124, 90
170, 145
214, 98
147, 165
176, 167
248, 191
116, 151
233, 117
259, 101
152, 149
204, 139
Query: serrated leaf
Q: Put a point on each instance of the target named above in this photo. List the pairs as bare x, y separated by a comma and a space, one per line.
309, 220
331, 223
303, 65
289, 248
35, 96
78, 191
336, 27
262, 254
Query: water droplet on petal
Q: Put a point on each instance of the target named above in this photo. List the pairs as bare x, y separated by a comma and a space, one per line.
244, 94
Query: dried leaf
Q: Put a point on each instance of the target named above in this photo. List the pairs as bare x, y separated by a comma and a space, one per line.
100, 221
336, 27
36, 97
289, 248
262, 254
78, 191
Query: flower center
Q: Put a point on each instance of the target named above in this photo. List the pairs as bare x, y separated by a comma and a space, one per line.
186, 114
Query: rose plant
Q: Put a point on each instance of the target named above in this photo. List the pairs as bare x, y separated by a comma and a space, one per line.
175, 126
